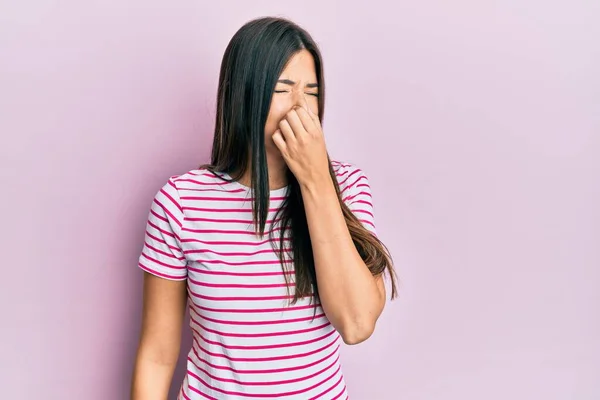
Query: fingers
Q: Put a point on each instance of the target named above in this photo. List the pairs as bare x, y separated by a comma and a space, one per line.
310, 112
279, 141
295, 121
287, 131
313, 116
306, 117
299, 121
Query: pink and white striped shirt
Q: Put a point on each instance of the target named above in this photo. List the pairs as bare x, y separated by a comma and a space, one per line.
248, 342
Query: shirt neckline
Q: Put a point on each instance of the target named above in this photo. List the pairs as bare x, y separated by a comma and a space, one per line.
273, 193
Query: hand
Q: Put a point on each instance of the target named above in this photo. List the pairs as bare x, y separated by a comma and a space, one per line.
302, 144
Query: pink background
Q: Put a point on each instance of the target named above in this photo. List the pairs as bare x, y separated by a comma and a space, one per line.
478, 123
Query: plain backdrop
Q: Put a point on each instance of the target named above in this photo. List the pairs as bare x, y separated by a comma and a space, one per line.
477, 122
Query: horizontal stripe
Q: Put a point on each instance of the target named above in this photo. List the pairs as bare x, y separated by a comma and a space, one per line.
233, 243
240, 285
240, 274
161, 240
163, 230
249, 339
155, 272
267, 359
240, 298
267, 383
253, 310
230, 221
264, 346
268, 395
237, 371
224, 210
233, 254
350, 198
238, 264
228, 199
157, 261
226, 231
261, 323
259, 335
320, 395
164, 253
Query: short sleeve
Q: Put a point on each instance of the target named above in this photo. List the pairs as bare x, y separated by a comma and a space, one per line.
356, 194
162, 254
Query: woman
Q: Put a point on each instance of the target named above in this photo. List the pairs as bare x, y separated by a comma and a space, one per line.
272, 244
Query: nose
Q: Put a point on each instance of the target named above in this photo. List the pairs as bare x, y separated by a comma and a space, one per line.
299, 99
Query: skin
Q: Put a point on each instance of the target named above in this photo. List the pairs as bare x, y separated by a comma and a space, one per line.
351, 297
291, 90
160, 339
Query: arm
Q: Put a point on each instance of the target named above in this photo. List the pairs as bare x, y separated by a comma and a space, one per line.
165, 294
160, 339
351, 297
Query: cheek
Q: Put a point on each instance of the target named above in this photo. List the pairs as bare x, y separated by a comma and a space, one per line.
313, 103
277, 111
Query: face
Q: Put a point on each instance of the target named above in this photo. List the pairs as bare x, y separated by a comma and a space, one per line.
297, 85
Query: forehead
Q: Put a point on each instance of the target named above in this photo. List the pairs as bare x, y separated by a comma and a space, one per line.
301, 66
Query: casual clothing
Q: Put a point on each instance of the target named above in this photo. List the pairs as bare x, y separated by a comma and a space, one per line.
248, 342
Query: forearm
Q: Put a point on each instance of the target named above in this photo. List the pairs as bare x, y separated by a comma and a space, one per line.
151, 376
350, 296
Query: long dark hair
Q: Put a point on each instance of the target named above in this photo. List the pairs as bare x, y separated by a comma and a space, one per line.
251, 66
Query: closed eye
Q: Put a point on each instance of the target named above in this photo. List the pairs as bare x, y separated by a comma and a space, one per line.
310, 94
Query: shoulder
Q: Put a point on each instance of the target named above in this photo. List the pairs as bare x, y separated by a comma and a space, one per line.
349, 175
194, 179
201, 175
189, 180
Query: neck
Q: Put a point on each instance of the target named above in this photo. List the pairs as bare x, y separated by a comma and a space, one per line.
277, 172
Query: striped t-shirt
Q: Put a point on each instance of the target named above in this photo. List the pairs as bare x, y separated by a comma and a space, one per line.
248, 342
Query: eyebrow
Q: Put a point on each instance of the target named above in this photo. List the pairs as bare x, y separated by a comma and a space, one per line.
289, 82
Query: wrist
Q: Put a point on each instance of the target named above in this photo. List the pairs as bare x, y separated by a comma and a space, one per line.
318, 186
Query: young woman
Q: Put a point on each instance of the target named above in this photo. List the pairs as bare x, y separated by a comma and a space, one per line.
272, 245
